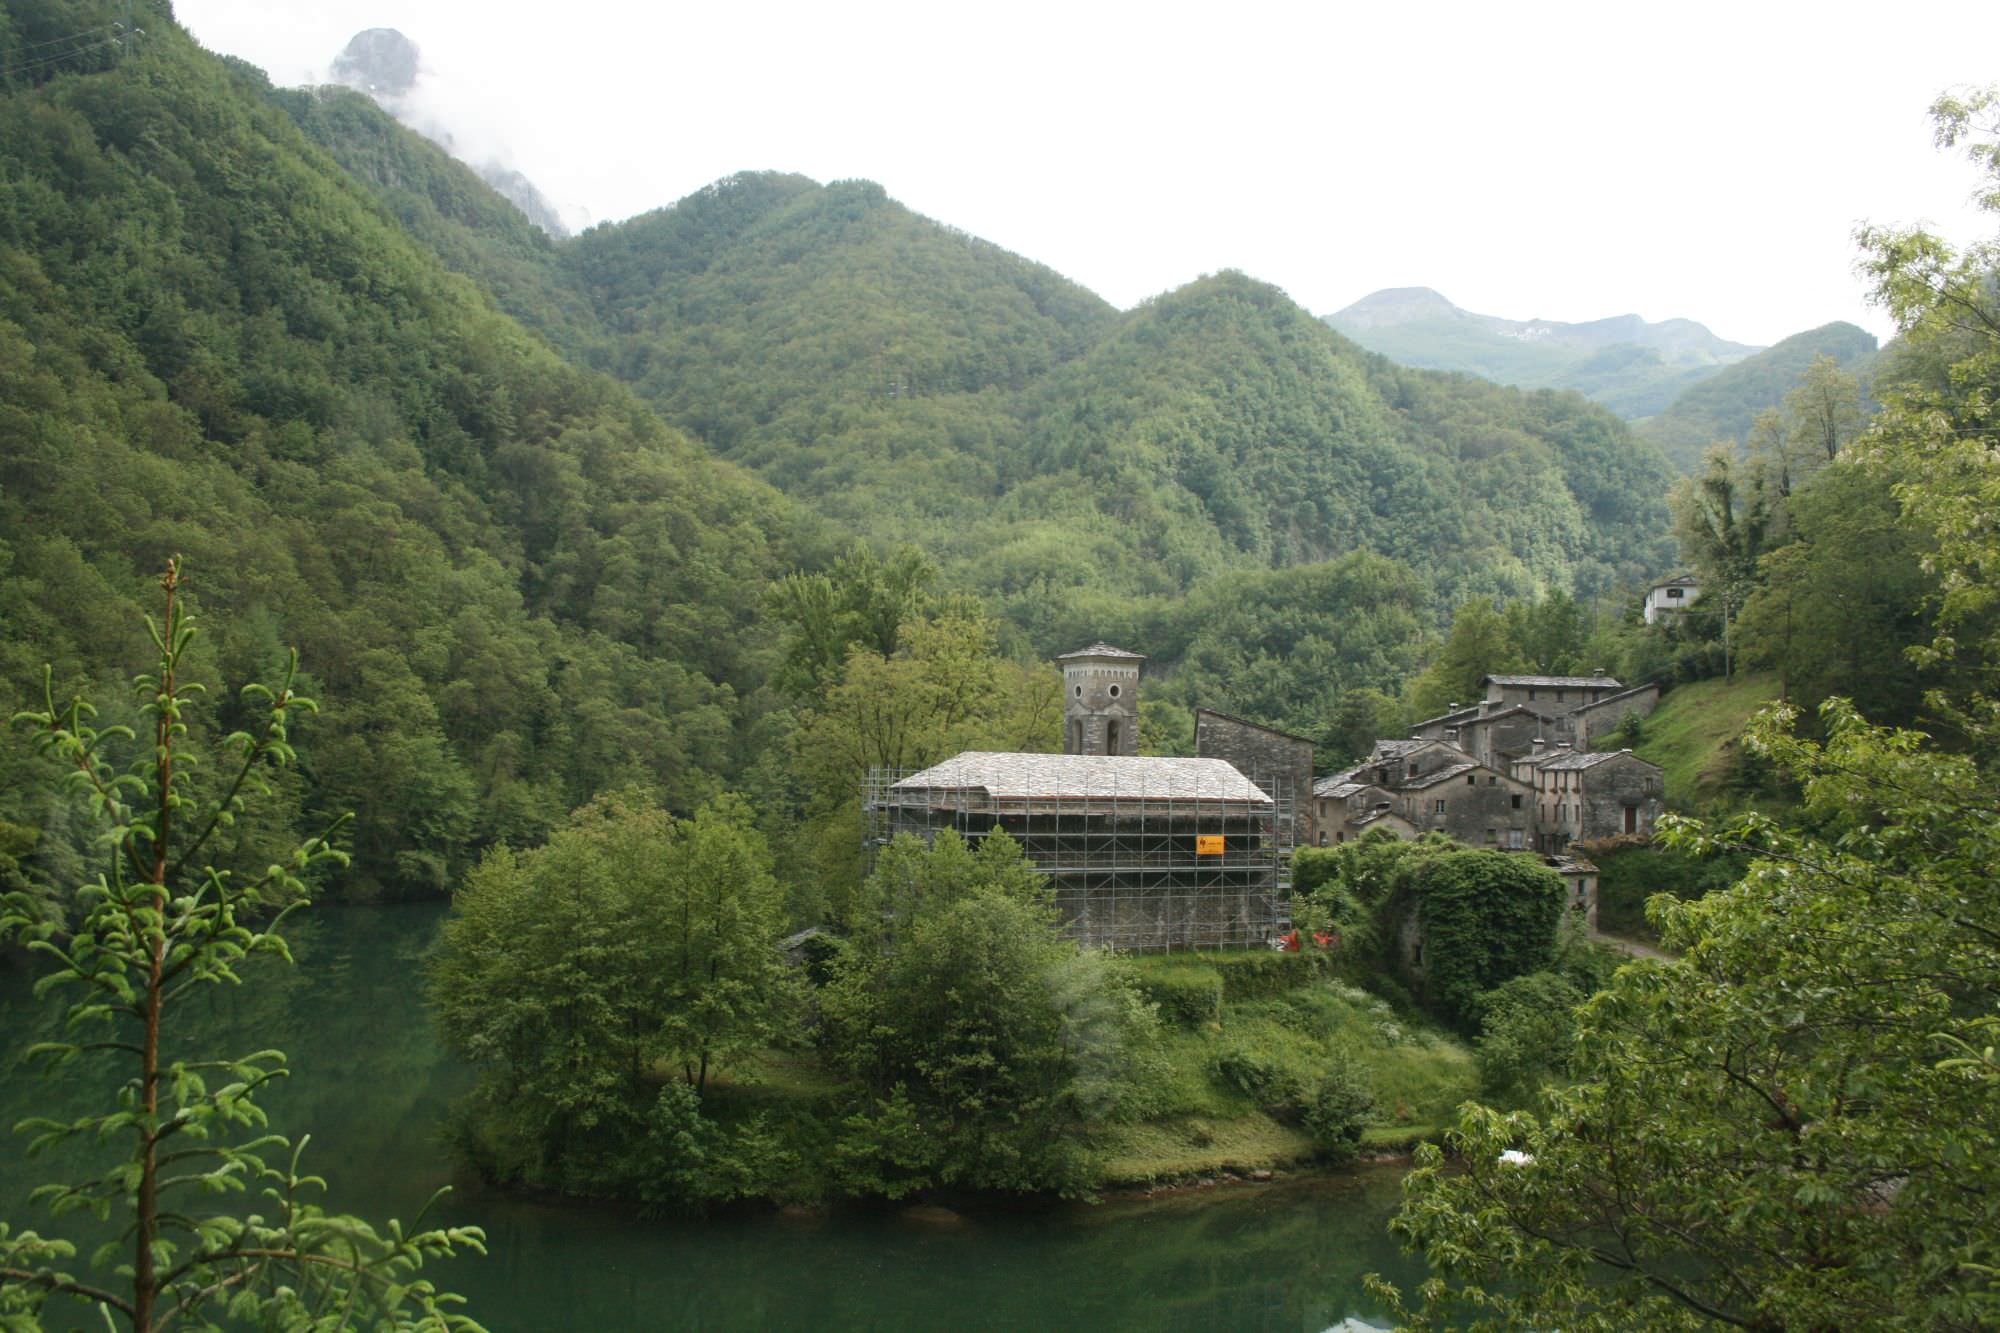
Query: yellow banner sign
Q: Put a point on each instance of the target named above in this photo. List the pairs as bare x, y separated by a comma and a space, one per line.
1208, 844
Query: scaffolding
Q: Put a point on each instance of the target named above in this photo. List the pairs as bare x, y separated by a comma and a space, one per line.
1147, 855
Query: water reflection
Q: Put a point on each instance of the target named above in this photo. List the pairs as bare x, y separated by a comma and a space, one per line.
370, 1082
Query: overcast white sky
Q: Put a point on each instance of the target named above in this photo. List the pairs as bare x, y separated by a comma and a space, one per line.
1551, 161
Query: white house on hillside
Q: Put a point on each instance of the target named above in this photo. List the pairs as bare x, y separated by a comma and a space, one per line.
1677, 594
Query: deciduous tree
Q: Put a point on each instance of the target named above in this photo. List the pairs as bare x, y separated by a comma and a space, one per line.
159, 925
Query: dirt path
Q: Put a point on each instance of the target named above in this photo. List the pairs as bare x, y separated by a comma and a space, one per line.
1632, 948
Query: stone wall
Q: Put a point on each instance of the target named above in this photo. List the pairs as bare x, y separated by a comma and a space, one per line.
1471, 808
1623, 783
1603, 717
1260, 752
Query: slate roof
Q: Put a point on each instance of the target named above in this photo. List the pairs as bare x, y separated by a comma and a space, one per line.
1449, 715
1329, 789
1442, 775
1613, 698
1254, 726
1475, 714
1556, 682
1021, 777
1571, 761
1101, 649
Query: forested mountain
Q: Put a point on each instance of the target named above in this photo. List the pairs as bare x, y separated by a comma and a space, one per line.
512, 585
1082, 468
1721, 407
1633, 367
378, 412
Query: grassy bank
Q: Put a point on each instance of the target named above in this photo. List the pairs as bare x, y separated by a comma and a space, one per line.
1696, 737
1243, 1035
1245, 1032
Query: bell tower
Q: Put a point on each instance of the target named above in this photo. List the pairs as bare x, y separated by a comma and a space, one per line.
1100, 700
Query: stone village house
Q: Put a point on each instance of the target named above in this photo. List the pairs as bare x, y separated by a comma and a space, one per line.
1161, 853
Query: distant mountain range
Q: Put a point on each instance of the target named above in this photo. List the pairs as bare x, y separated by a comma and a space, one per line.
1721, 407
1629, 365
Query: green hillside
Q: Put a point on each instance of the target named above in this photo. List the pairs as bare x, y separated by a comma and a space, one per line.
512, 585
380, 415
1081, 469
1696, 736
1722, 406
920, 385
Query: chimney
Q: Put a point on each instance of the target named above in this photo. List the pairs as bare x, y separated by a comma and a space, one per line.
1539, 743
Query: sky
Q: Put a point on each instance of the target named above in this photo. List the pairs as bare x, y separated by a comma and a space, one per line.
1535, 161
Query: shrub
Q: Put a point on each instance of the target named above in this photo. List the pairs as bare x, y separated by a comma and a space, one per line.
1337, 1112
1188, 997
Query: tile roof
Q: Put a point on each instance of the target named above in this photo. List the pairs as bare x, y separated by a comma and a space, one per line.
1556, 682
1015, 777
1100, 649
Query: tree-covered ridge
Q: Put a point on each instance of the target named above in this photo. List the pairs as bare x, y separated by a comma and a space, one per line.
933, 388
1723, 406
762, 294
516, 584
1080, 469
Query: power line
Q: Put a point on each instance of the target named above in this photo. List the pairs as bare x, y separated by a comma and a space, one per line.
9, 71
56, 41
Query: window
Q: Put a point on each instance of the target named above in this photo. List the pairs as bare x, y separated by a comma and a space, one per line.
1111, 738
1517, 800
1674, 594
1438, 806
1472, 779
1493, 835
1114, 691
1559, 696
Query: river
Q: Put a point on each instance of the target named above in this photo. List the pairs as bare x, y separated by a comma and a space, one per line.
370, 1083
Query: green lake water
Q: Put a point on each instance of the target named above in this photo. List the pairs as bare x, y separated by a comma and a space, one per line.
370, 1084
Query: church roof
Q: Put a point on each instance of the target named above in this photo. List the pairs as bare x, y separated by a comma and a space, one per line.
1021, 777
1101, 649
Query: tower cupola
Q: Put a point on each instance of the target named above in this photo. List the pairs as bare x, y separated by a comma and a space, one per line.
1101, 700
